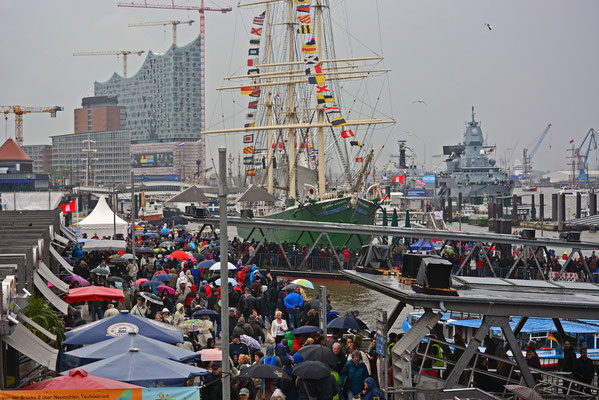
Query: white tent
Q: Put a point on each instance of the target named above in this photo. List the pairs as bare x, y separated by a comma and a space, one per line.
101, 221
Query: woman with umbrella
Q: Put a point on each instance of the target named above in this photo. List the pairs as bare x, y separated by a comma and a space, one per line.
165, 296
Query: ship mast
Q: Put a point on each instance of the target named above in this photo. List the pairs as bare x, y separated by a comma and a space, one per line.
269, 114
320, 109
291, 112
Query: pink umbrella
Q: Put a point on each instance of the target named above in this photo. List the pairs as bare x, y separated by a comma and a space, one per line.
211, 354
162, 288
140, 281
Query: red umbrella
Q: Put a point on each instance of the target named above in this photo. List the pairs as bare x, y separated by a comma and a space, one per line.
179, 255
79, 379
162, 288
140, 281
94, 293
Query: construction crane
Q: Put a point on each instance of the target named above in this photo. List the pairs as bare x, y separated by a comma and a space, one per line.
163, 23
18, 111
117, 53
582, 154
202, 10
527, 157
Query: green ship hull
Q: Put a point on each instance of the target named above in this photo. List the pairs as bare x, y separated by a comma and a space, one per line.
342, 210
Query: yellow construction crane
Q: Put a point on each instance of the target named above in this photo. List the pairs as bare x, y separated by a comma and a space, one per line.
164, 23
117, 53
18, 111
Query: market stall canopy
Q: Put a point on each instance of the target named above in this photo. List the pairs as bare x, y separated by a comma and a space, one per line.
254, 193
121, 324
79, 379
121, 345
144, 369
95, 245
26, 343
193, 194
102, 221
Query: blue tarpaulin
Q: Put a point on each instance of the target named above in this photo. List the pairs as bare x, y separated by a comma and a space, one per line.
143, 369
121, 345
533, 325
425, 247
121, 324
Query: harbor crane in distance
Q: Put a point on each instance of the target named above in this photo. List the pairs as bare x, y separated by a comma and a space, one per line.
202, 10
527, 157
582, 154
117, 53
18, 111
164, 23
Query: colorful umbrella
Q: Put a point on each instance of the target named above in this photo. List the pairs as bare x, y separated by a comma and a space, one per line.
94, 293
162, 288
179, 255
76, 278
195, 324
79, 378
304, 283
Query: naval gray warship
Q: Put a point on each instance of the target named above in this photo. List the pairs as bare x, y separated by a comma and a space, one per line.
471, 170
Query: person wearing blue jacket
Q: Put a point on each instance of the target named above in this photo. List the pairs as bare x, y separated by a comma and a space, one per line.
371, 391
294, 302
353, 375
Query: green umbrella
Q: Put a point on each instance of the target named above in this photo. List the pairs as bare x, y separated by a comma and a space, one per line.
385, 223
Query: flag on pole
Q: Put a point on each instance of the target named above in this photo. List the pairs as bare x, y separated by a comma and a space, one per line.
252, 62
552, 338
248, 138
338, 121
347, 133
255, 42
303, 9
248, 90
360, 159
309, 47
250, 172
69, 207
305, 29
181, 144
256, 31
259, 20
571, 141
248, 150
253, 104
398, 179
355, 143
305, 19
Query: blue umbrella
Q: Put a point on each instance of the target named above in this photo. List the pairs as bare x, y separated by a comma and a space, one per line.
162, 278
152, 235
204, 312
121, 345
122, 324
143, 369
179, 240
165, 231
302, 330
206, 264
152, 283
231, 281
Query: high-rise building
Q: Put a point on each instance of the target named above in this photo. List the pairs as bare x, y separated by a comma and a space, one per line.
99, 113
41, 155
92, 158
163, 99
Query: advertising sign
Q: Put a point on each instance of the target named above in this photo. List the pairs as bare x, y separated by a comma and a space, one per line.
151, 160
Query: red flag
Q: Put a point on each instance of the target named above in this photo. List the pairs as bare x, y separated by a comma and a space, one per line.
398, 179
69, 207
571, 141
347, 133
256, 31
359, 159
323, 88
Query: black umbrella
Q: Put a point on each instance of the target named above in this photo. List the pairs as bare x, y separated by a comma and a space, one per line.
204, 312
302, 330
290, 287
119, 260
347, 323
152, 298
312, 370
146, 250
316, 352
188, 248
263, 371
115, 279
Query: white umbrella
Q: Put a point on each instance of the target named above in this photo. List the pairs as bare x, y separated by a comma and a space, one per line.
216, 267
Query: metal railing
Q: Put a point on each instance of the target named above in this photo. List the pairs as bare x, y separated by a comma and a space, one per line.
550, 384
324, 263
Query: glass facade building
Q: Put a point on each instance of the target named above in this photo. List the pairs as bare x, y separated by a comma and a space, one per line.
163, 99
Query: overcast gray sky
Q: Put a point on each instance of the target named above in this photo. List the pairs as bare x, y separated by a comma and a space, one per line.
539, 64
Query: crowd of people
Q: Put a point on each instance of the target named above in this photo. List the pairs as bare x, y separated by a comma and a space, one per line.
263, 312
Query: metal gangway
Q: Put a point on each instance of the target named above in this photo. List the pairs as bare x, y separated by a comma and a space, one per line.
429, 374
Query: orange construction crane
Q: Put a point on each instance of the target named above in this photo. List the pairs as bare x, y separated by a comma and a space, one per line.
164, 23
117, 53
18, 111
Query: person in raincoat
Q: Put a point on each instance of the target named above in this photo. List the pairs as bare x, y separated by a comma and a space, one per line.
353, 375
179, 314
371, 391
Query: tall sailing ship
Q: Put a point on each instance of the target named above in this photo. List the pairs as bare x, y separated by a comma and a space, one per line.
296, 126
